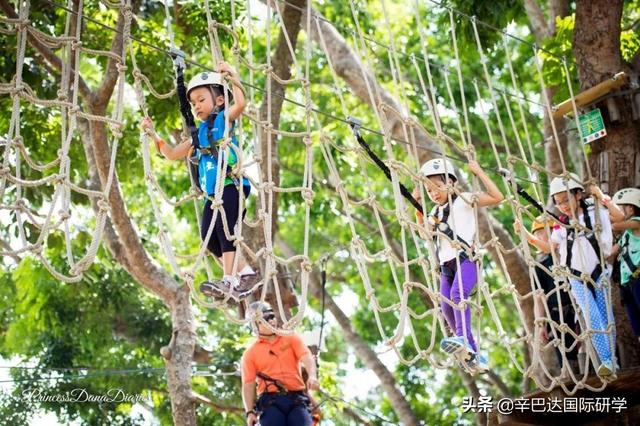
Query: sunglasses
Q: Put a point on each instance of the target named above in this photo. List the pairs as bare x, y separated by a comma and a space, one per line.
268, 316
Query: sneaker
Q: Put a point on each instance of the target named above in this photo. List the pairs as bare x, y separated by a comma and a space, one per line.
457, 347
605, 369
248, 282
219, 289
477, 364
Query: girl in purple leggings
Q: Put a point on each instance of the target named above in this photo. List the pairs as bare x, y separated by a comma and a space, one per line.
455, 221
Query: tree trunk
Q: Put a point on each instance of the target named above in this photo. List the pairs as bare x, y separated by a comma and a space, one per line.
470, 383
554, 149
179, 364
365, 353
351, 70
615, 159
122, 238
555, 138
267, 151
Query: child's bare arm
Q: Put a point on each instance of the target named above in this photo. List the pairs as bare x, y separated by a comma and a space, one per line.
627, 224
543, 246
239, 102
177, 152
172, 153
493, 195
615, 211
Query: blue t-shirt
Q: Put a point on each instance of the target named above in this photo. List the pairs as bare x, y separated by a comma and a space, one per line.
207, 163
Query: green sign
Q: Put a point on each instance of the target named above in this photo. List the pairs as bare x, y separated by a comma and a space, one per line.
592, 126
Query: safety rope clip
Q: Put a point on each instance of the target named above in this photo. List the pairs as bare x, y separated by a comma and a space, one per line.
178, 57
355, 124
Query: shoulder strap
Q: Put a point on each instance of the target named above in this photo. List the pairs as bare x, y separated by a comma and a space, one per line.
185, 109
443, 225
213, 148
624, 252
590, 234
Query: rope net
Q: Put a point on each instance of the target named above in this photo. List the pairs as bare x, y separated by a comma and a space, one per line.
415, 107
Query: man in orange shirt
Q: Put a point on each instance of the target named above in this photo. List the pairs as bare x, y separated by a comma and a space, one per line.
272, 362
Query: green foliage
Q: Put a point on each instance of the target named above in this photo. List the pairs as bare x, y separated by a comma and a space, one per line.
556, 52
107, 321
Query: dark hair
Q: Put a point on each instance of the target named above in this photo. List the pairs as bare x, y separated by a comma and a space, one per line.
573, 192
443, 177
218, 91
636, 209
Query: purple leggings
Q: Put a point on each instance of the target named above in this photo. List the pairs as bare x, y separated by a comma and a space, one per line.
450, 288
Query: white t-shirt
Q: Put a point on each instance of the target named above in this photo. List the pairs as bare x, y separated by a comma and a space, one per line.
583, 256
462, 222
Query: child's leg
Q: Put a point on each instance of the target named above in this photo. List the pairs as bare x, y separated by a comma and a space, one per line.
606, 312
593, 318
465, 280
447, 310
230, 203
212, 245
631, 292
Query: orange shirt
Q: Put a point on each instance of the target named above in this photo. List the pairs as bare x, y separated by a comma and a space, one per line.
278, 359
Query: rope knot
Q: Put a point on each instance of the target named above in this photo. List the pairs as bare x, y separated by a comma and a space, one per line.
268, 186
306, 265
187, 276
62, 96
103, 205
307, 195
60, 179
21, 25
64, 215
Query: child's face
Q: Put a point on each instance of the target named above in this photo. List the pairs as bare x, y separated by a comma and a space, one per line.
628, 210
541, 234
202, 102
567, 202
438, 191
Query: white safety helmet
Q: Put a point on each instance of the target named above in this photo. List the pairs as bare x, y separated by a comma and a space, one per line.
628, 196
206, 79
559, 184
438, 166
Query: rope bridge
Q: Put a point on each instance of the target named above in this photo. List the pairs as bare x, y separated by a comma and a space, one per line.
385, 240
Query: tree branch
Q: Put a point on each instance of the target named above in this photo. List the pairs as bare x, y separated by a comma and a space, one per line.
497, 381
47, 53
363, 350
472, 387
349, 411
221, 408
105, 90
537, 21
9, 251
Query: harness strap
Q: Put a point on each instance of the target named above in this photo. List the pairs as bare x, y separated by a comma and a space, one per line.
270, 381
443, 226
626, 256
571, 237
282, 391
